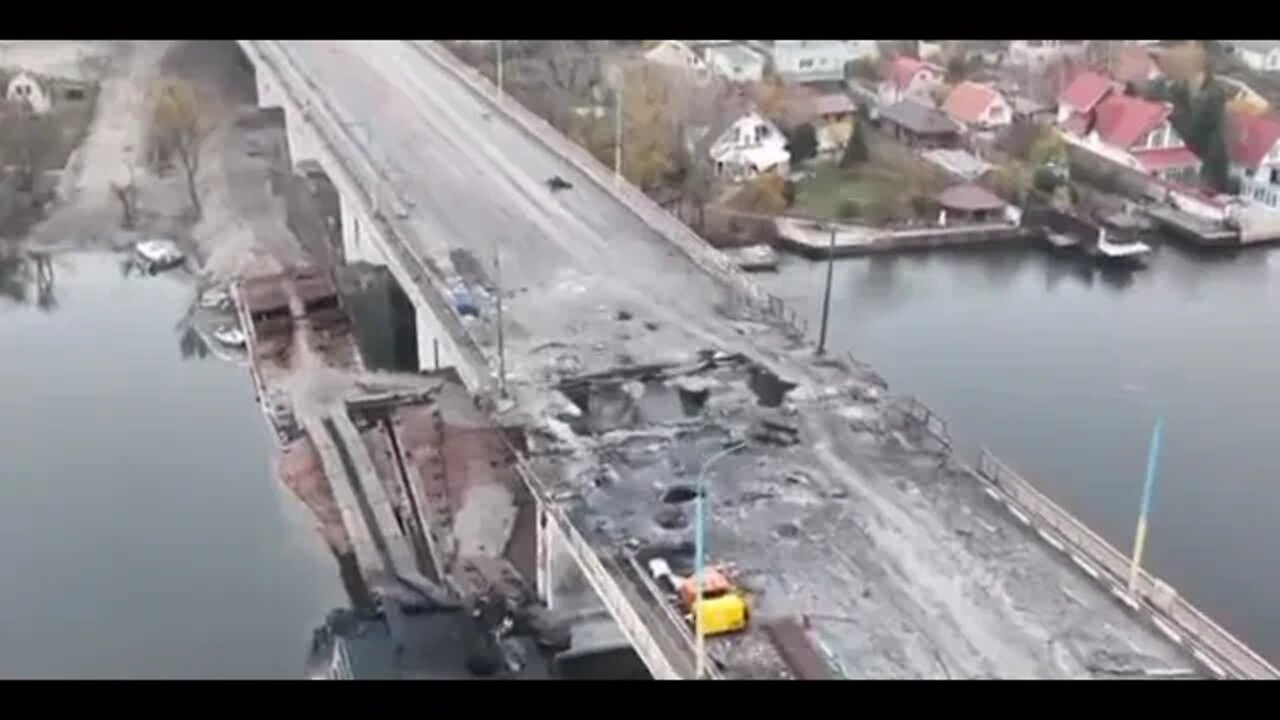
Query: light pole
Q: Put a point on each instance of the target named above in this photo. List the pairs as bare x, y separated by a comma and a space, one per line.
617, 128
498, 44
502, 356
699, 550
826, 293
1140, 537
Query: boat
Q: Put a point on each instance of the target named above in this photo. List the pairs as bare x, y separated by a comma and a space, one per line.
156, 255
1125, 254
230, 335
215, 299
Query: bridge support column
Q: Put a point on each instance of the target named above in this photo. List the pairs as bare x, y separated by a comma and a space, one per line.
545, 583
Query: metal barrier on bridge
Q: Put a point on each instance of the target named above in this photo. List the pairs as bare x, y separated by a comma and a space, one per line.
1222, 653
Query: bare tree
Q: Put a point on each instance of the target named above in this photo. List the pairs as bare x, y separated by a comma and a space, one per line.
127, 194
182, 120
29, 141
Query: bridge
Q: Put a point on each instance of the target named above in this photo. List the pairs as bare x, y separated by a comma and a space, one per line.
631, 353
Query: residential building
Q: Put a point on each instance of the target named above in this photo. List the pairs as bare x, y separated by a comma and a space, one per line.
1136, 134
803, 61
1259, 55
1038, 53
833, 121
978, 107
909, 78
919, 125
1133, 65
25, 88
1241, 96
1253, 143
1080, 97
679, 55
750, 147
735, 62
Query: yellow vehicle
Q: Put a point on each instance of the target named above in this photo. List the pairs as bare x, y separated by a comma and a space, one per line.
723, 609
722, 614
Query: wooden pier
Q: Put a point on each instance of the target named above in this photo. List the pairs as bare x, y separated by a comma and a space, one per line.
1193, 229
807, 240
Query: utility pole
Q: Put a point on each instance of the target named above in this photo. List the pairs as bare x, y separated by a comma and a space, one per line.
826, 293
1140, 537
699, 558
617, 127
499, 69
502, 356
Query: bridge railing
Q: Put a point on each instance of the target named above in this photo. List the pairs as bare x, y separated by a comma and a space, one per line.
658, 218
370, 183
1210, 643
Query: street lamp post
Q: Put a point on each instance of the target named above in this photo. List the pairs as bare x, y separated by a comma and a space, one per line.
826, 293
502, 356
699, 550
498, 71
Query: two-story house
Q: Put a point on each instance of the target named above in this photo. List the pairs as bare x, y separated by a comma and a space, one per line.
1253, 142
679, 55
1080, 98
750, 147
1260, 55
735, 62
806, 61
1137, 134
1038, 53
978, 107
908, 78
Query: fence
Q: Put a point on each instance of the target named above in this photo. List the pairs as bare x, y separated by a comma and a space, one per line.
1217, 649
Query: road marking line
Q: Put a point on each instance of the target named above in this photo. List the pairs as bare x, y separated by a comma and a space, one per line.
1170, 632
991, 493
1213, 666
1051, 540
1124, 597
1093, 572
1018, 514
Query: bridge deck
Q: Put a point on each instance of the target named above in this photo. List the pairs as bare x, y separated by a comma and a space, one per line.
905, 569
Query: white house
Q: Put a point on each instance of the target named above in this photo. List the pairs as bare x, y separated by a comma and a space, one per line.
679, 55
736, 63
1253, 142
1261, 55
978, 107
750, 147
25, 88
1037, 53
803, 61
908, 78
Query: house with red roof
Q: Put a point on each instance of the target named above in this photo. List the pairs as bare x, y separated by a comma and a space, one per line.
1080, 97
977, 107
906, 77
1253, 143
1136, 134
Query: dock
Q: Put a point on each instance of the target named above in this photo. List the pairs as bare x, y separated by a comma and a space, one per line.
1193, 229
811, 240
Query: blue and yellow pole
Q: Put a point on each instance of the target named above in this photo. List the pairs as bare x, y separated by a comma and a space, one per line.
1140, 538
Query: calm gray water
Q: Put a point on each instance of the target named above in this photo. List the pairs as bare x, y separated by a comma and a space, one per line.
1063, 377
142, 534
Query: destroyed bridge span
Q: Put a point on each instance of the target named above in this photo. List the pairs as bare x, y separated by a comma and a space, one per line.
631, 353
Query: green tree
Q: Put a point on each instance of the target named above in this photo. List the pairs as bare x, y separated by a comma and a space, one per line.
855, 151
802, 142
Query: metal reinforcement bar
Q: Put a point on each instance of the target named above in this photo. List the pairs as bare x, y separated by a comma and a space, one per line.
1218, 650
711, 260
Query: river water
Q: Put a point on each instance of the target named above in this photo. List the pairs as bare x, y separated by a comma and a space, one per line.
142, 533
1062, 373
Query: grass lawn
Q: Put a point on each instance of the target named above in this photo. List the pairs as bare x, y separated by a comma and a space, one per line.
886, 189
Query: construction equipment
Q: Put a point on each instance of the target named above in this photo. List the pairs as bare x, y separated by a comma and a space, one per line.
722, 609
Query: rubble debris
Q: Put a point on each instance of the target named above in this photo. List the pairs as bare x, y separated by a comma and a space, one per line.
770, 389
679, 494
623, 315
672, 518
